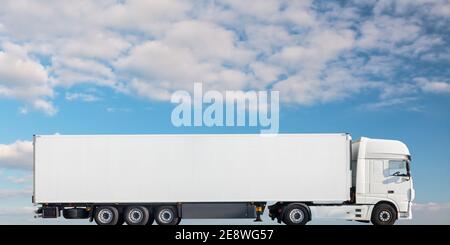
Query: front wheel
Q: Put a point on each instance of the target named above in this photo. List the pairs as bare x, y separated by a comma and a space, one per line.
295, 214
383, 214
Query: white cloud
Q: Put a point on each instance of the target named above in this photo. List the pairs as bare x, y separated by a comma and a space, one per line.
149, 17
50, 19
439, 8
442, 9
45, 106
81, 96
429, 214
97, 45
403, 27
385, 32
69, 71
118, 109
207, 41
23, 110
16, 155
432, 206
152, 48
318, 48
264, 74
25, 79
300, 13
154, 65
267, 38
28, 211
156, 69
315, 80
432, 86
19, 180
261, 10
390, 103
333, 85
9, 193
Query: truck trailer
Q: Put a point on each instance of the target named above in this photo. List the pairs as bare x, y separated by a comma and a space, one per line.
139, 179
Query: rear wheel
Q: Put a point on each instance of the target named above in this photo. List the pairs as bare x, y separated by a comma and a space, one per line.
106, 215
295, 214
167, 215
383, 214
136, 215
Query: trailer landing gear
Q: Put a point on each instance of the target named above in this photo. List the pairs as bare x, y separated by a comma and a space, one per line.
259, 208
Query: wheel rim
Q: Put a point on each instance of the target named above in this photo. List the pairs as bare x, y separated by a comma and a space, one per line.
105, 216
166, 215
385, 216
135, 215
296, 216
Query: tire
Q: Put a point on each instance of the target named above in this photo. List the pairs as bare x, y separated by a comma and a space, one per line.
136, 215
383, 214
75, 213
107, 215
166, 215
295, 214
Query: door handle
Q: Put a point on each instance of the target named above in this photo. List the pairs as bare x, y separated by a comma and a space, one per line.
390, 192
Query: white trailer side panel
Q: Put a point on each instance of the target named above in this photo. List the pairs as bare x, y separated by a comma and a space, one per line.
191, 168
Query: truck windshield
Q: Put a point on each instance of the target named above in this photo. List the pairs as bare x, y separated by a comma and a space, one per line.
408, 166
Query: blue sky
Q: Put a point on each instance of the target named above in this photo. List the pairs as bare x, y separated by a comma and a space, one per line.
371, 68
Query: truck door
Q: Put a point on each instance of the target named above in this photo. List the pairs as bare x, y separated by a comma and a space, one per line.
377, 178
397, 182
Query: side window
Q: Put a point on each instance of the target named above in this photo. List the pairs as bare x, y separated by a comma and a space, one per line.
397, 168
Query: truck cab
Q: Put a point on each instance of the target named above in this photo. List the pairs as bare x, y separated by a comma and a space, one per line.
381, 177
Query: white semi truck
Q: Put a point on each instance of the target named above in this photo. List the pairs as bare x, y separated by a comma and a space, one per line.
137, 179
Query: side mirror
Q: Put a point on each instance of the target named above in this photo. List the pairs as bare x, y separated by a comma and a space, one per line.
396, 173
